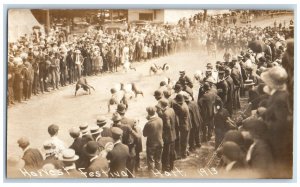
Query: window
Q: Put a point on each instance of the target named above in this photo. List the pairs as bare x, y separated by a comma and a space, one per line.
146, 16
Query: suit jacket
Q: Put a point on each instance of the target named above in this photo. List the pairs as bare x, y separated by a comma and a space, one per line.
153, 131
99, 164
169, 124
222, 87
230, 89
206, 103
70, 62
196, 119
183, 116
236, 77
261, 158
118, 158
32, 158
77, 145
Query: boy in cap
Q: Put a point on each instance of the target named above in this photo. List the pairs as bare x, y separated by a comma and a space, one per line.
153, 132
32, 157
119, 155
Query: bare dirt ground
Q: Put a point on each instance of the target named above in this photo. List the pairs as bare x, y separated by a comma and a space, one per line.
61, 107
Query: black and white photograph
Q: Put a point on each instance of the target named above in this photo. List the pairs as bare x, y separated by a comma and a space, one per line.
149, 93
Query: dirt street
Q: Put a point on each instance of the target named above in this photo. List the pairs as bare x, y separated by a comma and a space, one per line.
61, 107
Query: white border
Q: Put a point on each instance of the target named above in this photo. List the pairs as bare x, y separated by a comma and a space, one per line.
178, 2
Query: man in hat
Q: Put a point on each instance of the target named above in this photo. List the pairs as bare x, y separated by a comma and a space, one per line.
54, 70
168, 135
78, 64
96, 132
196, 123
27, 80
278, 116
50, 155
153, 130
128, 138
118, 156
184, 123
59, 144
158, 96
77, 140
31, 156
186, 83
206, 103
70, 60
222, 87
101, 122
63, 68
238, 83
85, 135
227, 56
137, 139
230, 92
10, 83
69, 159
259, 156
96, 163
18, 83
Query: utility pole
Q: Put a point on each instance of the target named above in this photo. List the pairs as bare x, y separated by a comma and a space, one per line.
205, 14
47, 26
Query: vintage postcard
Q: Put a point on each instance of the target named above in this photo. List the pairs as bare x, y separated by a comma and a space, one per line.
150, 93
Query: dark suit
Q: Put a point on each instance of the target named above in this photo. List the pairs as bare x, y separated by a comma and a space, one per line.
99, 164
222, 87
196, 122
279, 119
77, 145
184, 125
206, 103
32, 158
230, 95
118, 158
237, 81
153, 131
169, 136
71, 67
261, 158
137, 139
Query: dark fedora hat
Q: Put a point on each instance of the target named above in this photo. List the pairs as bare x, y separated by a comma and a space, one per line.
179, 98
157, 93
121, 108
91, 148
